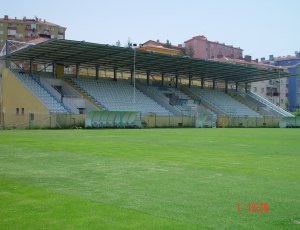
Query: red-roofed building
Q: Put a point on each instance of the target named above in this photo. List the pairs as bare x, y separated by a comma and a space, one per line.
200, 47
25, 29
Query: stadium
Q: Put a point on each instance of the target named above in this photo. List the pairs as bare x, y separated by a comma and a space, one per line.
70, 80
149, 176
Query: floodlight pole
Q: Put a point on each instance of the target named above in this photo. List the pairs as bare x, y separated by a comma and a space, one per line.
134, 60
279, 89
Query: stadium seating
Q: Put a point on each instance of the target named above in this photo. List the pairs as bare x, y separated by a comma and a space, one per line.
52, 104
224, 102
269, 104
118, 96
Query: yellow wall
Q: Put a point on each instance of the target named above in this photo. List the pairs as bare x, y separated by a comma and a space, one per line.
168, 121
59, 70
159, 50
16, 95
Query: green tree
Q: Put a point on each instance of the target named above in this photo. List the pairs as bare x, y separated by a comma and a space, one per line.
168, 44
118, 43
129, 43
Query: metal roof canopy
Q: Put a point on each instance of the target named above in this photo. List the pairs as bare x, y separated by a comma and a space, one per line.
86, 54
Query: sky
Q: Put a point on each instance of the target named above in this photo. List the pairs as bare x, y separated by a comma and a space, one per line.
259, 27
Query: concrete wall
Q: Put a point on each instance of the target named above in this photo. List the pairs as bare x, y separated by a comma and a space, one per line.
16, 95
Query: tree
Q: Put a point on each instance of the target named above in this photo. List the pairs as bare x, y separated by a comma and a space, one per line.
129, 43
118, 43
168, 44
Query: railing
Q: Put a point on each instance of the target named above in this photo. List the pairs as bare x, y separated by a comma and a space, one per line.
50, 94
85, 94
158, 98
270, 104
207, 102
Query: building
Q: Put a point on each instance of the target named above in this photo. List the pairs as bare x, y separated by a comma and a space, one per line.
275, 90
200, 47
160, 47
292, 84
28, 29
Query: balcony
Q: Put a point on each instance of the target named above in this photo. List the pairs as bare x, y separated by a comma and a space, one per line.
274, 94
11, 27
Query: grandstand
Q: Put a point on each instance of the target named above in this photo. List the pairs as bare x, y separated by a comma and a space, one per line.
46, 97
118, 96
173, 91
223, 102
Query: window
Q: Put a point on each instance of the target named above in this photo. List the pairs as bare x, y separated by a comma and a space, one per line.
262, 90
33, 26
11, 32
17, 111
1, 31
31, 116
22, 111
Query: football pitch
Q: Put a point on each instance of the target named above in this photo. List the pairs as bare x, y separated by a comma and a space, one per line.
150, 179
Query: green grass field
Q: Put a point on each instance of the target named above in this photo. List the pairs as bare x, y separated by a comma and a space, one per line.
149, 179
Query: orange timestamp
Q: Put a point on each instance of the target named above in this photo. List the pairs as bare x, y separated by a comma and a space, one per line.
254, 207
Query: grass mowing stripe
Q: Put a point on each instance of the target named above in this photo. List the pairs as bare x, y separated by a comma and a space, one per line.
28, 207
190, 175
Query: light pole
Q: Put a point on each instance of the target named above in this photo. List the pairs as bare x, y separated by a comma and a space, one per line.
134, 57
279, 90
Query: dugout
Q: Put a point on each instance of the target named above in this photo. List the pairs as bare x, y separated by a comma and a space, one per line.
113, 119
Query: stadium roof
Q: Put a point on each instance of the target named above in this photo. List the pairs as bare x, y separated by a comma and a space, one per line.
69, 52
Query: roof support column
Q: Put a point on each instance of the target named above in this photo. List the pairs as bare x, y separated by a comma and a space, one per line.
236, 86
6, 54
53, 69
77, 71
176, 81
190, 81
115, 74
30, 67
226, 86
97, 72
202, 83
162, 79
214, 84
148, 77
131, 76
246, 87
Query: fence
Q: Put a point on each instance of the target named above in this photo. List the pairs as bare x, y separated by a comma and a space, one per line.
41, 120
153, 121
227, 122
290, 122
